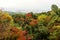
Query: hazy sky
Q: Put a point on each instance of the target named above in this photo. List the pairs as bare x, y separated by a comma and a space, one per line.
28, 5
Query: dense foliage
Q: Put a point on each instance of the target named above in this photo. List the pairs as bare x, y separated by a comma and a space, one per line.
30, 26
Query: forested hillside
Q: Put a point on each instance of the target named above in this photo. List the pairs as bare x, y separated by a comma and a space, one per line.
30, 26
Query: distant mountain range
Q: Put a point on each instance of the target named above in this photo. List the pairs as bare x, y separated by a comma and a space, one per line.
16, 13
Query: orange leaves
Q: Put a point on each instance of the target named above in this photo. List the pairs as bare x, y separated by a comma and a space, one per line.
25, 32
30, 37
34, 22
15, 30
28, 15
21, 34
21, 38
16, 18
22, 19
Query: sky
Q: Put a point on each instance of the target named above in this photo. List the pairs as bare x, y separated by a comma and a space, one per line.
28, 5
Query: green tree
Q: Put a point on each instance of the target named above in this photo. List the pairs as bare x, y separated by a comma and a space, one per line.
54, 8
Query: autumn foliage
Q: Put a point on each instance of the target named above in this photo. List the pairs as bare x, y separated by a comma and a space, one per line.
30, 26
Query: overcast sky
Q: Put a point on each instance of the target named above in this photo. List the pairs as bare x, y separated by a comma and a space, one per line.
28, 5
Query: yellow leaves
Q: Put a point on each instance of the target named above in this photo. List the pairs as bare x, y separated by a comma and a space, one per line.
0, 11
7, 16
56, 27
48, 18
52, 13
42, 17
